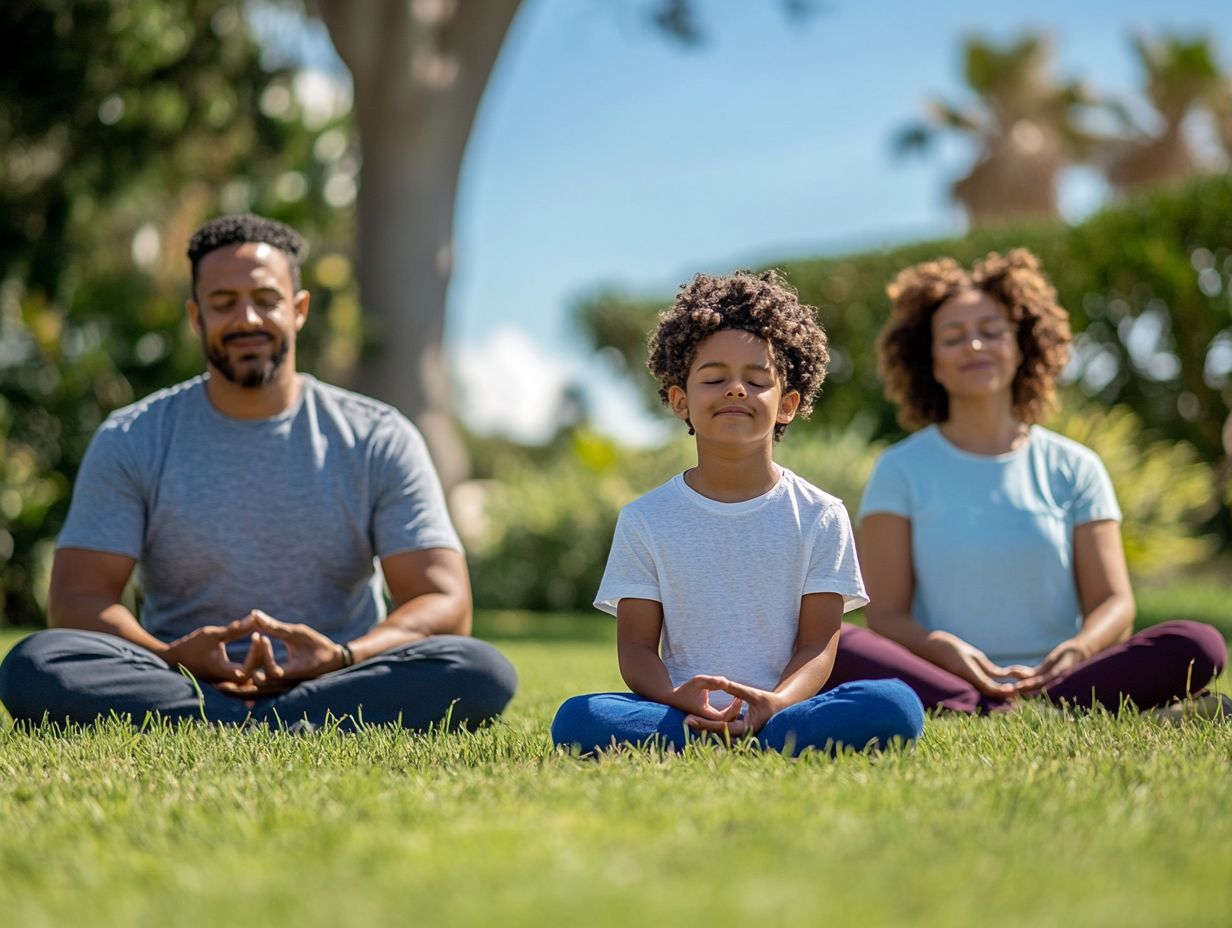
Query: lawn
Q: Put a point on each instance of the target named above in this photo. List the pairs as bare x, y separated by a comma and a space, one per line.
1028, 819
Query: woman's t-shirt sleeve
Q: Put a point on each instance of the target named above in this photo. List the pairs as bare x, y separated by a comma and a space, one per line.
1094, 498
888, 490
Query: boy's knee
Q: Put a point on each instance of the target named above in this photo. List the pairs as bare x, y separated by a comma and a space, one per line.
572, 720
896, 709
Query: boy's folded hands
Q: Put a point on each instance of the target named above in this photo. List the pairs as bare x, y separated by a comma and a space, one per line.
693, 697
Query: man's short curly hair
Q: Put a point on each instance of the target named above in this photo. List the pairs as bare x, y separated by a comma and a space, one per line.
240, 229
905, 345
764, 304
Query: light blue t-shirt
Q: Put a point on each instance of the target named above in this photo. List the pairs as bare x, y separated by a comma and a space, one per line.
992, 536
283, 514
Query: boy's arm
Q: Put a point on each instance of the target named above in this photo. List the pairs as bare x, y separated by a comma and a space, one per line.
639, 623
821, 615
806, 673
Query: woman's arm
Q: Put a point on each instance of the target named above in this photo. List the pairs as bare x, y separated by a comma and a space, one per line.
1104, 595
1104, 591
889, 576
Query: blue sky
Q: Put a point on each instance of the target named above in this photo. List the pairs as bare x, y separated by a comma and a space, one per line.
606, 154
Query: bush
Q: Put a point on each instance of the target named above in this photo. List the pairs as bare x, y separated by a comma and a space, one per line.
538, 538
1163, 489
1147, 283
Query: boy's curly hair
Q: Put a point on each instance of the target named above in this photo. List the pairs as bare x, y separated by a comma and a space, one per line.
905, 345
764, 304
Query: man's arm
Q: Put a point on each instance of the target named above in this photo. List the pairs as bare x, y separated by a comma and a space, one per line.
431, 594
86, 587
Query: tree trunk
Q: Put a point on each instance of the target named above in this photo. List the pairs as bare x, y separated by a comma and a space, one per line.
419, 68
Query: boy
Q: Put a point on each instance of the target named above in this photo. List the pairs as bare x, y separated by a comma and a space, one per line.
730, 581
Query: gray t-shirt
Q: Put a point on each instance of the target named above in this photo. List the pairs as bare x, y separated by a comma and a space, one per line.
730, 576
283, 514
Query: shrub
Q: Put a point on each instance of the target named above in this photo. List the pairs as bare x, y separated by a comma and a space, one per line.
1162, 486
538, 537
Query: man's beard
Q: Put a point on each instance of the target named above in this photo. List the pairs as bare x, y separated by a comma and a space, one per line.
255, 377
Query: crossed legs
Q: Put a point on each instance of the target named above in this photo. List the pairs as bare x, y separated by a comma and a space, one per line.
1161, 663
79, 677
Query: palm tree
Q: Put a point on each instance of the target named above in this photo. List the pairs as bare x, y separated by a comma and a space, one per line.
1221, 109
1027, 125
1181, 75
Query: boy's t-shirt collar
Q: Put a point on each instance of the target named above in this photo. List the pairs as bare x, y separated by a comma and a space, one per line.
748, 505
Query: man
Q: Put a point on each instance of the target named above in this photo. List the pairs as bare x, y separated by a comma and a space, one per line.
255, 498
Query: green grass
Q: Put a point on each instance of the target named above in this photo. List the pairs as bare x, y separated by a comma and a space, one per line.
1032, 818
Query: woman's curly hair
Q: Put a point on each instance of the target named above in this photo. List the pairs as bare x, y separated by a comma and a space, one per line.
905, 345
764, 304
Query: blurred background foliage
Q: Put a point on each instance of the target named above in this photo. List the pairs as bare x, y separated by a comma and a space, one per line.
123, 125
538, 538
135, 120
1146, 283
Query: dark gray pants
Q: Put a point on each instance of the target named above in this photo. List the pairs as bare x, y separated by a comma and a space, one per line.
78, 676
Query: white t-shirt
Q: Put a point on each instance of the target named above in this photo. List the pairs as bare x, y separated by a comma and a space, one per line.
730, 575
992, 536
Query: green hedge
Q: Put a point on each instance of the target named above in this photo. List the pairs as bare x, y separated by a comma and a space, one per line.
541, 540
1165, 257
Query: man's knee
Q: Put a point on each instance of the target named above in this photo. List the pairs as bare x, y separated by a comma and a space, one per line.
26, 667
32, 656
492, 679
478, 677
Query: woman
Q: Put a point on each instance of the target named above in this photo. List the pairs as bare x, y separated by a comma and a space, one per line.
990, 546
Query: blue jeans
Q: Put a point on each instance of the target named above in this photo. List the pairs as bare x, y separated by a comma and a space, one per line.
861, 714
65, 675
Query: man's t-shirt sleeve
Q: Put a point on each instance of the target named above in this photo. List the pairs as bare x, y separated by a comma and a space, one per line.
409, 505
108, 508
630, 571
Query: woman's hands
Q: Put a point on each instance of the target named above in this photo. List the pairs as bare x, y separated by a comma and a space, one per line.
1060, 660
963, 659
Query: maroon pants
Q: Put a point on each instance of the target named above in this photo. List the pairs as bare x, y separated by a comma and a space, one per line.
1161, 663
